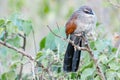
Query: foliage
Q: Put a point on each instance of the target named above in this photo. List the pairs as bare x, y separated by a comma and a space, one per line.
52, 57
10, 31
51, 54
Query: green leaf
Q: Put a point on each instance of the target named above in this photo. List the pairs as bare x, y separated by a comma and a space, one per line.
8, 22
11, 75
27, 27
13, 66
4, 76
42, 43
73, 75
97, 78
103, 59
15, 41
50, 41
11, 28
87, 73
46, 7
2, 22
87, 65
111, 74
22, 25
114, 65
39, 54
59, 70
92, 45
114, 50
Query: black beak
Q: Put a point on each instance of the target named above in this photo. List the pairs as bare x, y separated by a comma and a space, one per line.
91, 12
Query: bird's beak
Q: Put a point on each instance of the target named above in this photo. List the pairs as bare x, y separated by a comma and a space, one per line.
91, 12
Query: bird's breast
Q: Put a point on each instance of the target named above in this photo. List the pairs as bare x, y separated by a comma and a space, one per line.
84, 24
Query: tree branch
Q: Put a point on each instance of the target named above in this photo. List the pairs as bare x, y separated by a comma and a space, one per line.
87, 48
18, 50
24, 54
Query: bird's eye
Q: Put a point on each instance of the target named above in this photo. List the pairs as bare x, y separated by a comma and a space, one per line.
88, 11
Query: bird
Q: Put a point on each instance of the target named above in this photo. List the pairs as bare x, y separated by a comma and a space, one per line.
82, 21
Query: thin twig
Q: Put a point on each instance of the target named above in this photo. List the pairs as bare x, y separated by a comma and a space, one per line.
23, 47
82, 48
23, 36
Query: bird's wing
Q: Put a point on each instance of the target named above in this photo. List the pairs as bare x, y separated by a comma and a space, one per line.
71, 25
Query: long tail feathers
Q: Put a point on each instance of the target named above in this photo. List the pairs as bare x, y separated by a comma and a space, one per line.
76, 57
72, 56
68, 58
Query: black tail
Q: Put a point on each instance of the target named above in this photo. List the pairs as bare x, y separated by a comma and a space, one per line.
72, 56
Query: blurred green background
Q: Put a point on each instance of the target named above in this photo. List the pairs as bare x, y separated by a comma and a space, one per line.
52, 12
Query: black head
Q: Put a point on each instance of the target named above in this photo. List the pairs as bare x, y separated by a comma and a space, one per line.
87, 10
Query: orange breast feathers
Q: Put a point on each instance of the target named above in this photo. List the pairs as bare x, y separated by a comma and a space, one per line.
71, 25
